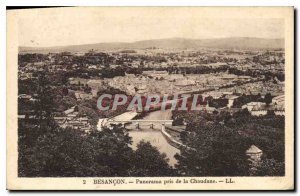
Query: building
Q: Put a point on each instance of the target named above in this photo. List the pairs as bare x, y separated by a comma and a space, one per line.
185, 82
77, 123
254, 153
258, 112
174, 77
69, 111
71, 119
261, 109
251, 105
24, 96
155, 74
83, 96
213, 94
142, 89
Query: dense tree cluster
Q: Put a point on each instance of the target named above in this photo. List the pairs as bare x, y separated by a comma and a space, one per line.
214, 150
218, 142
244, 99
218, 103
269, 75
31, 58
53, 152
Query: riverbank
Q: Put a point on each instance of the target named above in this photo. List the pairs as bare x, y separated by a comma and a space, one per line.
172, 140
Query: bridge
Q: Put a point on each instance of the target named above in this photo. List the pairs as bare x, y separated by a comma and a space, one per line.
137, 123
150, 123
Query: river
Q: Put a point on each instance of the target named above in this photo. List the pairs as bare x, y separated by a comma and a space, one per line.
154, 136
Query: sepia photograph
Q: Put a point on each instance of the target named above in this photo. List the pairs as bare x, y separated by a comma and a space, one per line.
150, 98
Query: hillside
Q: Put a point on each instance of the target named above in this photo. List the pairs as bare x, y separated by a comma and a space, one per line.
176, 43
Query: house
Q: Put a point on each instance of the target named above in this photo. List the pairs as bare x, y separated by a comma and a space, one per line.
185, 82
92, 67
71, 119
60, 120
69, 111
155, 73
258, 112
174, 77
129, 75
213, 94
213, 86
261, 109
25, 96
279, 111
83, 96
254, 153
251, 105
142, 89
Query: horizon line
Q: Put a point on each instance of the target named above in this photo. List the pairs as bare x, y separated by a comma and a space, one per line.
128, 42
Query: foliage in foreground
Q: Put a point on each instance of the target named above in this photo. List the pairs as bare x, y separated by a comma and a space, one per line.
65, 152
218, 144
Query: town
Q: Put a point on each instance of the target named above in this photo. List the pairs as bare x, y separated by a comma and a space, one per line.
239, 90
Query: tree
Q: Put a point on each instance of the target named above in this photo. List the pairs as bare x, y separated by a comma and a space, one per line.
112, 151
213, 150
266, 132
270, 167
268, 98
60, 153
177, 122
67, 152
72, 153
148, 161
44, 106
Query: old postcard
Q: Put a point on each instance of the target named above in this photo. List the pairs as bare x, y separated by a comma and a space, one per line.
150, 98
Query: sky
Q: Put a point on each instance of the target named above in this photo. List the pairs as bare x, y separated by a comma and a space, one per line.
59, 27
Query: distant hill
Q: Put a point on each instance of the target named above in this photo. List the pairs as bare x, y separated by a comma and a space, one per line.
176, 43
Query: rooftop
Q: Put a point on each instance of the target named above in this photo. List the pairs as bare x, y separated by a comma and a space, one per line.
253, 150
